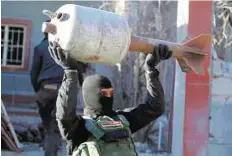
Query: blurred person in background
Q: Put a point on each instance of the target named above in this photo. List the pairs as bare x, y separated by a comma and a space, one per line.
46, 77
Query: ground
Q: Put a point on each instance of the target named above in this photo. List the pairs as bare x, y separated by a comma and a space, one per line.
29, 149
36, 150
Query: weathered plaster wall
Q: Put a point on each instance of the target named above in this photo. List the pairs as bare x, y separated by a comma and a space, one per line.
220, 132
179, 87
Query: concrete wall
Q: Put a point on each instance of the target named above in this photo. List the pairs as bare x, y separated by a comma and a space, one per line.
179, 92
220, 123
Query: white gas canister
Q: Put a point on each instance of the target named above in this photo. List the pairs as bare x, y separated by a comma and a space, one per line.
89, 34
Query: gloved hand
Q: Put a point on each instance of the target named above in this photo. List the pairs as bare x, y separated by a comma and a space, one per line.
160, 53
62, 57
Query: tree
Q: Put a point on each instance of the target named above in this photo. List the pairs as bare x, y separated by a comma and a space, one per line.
222, 29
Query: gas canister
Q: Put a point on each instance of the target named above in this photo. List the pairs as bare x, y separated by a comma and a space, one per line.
90, 35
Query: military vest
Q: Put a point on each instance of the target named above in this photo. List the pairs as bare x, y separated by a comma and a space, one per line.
109, 137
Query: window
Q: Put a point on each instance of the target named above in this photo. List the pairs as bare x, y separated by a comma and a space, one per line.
15, 45
12, 45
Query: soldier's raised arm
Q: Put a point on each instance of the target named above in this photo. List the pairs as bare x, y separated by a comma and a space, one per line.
68, 120
154, 106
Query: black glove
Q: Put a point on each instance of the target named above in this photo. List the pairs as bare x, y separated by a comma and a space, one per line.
160, 53
61, 57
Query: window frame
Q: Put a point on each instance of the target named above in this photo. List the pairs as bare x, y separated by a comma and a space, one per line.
26, 24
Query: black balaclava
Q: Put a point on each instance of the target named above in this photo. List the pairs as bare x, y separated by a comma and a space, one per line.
95, 103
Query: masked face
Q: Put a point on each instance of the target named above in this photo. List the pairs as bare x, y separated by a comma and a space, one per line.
98, 96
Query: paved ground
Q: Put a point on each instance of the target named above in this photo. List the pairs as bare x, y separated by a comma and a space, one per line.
30, 150
35, 150
40, 153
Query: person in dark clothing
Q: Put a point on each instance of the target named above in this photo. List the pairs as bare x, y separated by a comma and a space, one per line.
46, 77
98, 98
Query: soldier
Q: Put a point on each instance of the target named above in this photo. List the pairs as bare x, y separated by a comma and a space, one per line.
103, 131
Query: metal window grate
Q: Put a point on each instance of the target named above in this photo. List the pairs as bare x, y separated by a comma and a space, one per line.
12, 45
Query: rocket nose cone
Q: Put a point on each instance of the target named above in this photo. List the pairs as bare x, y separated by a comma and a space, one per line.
48, 28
